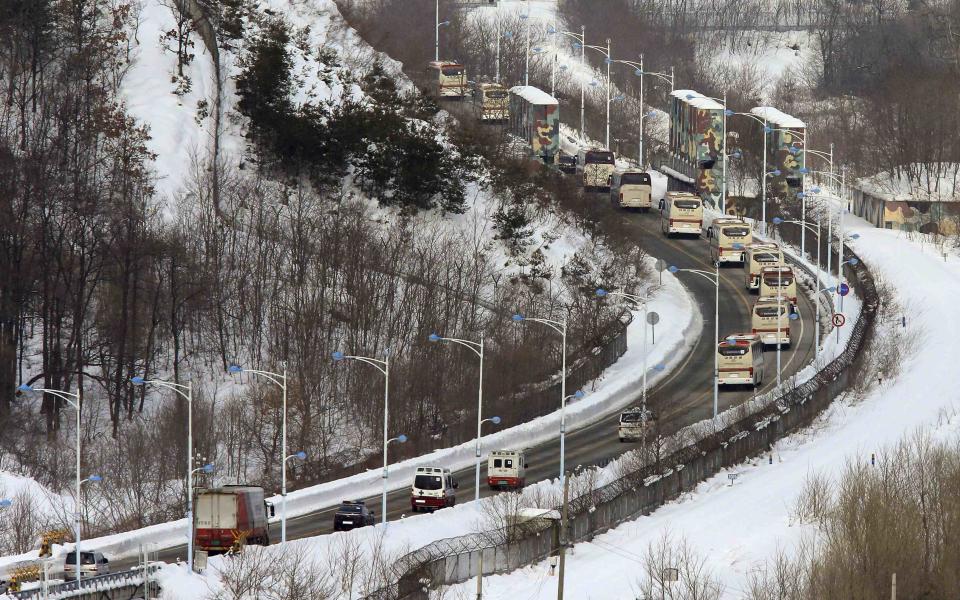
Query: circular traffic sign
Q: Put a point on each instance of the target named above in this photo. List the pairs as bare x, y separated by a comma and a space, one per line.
653, 318
661, 265
839, 319
844, 289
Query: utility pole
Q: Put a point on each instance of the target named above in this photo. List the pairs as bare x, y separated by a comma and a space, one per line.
893, 587
563, 535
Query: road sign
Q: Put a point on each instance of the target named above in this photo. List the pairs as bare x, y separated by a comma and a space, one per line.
661, 265
844, 289
653, 318
839, 319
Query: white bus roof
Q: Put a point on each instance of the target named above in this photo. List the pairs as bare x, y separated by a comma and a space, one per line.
685, 195
775, 117
534, 95
729, 221
763, 246
698, 100
437, 470
739, 337
436, 64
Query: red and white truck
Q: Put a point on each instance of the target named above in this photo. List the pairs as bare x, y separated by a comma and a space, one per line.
231, 517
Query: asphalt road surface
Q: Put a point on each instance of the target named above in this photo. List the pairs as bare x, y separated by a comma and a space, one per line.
685, 396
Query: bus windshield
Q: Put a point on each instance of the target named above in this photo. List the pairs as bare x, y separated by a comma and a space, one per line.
776, 280
769, 311
734, 350
631, 417
452, 71
686, 204
495, 94
599, 157
766, 257
735, 231
635, 179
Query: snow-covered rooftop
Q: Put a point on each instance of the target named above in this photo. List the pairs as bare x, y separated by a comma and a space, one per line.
778, 118
534, 95
697, 100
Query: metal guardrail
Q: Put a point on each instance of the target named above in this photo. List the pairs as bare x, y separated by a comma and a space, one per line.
694, 458
91, 585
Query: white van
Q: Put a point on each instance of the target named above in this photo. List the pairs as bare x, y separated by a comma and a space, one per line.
506, 470
433, 488
91, 564
631, 189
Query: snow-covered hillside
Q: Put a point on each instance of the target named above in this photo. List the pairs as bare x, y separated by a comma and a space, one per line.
736, 527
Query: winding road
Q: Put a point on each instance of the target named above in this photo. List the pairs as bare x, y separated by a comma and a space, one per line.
685, 396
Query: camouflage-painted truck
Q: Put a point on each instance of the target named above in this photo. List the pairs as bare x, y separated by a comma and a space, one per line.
535, 117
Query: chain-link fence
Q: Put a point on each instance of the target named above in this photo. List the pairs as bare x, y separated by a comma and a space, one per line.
699, 454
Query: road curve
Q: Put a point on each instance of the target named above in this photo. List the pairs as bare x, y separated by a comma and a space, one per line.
685, 396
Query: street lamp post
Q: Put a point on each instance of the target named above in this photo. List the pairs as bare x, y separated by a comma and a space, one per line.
638, 66
279, 379
91, 479
815, 229
186, 392
384, 367
561, 328
526, 56
579, 41
476, 348
606, 54
73, 400
642, 302
713, 278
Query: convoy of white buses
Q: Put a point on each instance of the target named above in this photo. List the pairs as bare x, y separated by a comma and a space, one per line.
730, 239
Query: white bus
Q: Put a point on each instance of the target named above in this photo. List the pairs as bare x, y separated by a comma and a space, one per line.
757, 256
595, 166
779, 278
491, 101
729, 237
506, 470
450, 78
631, 189
740, 359
771, 320
681, 212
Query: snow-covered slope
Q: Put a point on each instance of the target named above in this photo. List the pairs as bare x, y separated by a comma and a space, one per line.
737, 527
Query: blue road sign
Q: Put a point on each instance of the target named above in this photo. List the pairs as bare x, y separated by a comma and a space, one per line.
844, 289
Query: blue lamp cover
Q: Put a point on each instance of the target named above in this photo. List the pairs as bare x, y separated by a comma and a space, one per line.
24, 388
794, 316
302, 455
337, 355
5, 503
402, 438
517, 318
777, 220
208, 468
495, 420
853, 261
777, 172
578, 394
601, 292
235, 369
672, 269
95, 478
434, 337
137, 380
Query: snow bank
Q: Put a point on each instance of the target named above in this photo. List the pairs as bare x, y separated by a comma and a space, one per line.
737, 527
679, 327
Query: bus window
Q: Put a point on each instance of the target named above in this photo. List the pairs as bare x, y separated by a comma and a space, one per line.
595, 157
635, 179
